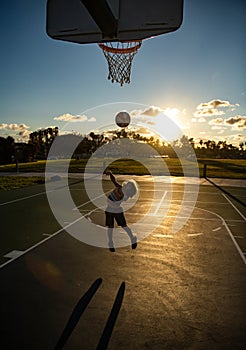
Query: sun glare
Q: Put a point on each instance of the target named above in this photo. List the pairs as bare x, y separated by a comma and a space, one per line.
167, 126
171, 112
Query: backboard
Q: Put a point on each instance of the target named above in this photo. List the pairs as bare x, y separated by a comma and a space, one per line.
98, 21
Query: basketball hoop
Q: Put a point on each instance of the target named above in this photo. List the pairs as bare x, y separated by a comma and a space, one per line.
119, 56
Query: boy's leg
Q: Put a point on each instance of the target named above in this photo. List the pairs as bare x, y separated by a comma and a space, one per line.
121, 221
110, 224
132, 237
110, 239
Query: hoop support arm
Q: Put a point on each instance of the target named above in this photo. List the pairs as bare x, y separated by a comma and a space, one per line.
103, 16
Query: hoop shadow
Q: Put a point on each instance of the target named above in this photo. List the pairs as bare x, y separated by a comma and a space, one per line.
108, 329
80, 308
76, 314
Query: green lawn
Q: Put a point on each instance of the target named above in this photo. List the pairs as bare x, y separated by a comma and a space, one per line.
12, 182
221, 168
38, 166
225, 168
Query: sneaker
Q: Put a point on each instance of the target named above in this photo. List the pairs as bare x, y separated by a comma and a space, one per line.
134, 242
111, 246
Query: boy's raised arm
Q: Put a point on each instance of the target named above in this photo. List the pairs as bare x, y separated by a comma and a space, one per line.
112, 178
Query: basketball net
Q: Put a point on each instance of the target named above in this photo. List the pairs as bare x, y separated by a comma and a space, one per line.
119, 56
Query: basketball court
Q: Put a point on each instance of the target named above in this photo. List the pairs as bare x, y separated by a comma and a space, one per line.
183, 290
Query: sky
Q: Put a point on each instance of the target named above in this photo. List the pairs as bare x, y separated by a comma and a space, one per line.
191, 81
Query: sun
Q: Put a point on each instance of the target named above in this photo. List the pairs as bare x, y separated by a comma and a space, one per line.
167, 126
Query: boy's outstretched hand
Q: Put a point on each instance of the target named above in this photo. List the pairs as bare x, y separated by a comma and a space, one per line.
112, 177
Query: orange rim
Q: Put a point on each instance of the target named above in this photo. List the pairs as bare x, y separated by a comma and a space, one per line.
121, 50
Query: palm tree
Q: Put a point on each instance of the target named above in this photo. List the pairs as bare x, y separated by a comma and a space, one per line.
241, 145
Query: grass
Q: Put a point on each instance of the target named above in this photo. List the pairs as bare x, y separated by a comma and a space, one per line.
225, 168
221, 168
13, 182
38, 166
155, 167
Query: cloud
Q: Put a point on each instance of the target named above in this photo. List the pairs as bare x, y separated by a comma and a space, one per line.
156, 116
20, 132
217, 121
212, 108
23, 135
146, 115
233, 120
235, 138
72, 118
3, 126
172, 112
92, 119
214, 104
154, 111
201, 120
151, 111
14, 127
198, 120
238, 122
143, 131
217, 127
207, 112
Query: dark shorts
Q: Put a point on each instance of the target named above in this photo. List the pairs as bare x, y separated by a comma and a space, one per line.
118, 217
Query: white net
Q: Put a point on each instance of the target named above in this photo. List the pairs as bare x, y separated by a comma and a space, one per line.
119, 56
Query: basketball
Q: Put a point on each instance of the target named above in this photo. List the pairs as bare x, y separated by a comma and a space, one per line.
122, 119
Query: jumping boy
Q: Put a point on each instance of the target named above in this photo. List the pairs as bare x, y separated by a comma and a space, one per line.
114, 211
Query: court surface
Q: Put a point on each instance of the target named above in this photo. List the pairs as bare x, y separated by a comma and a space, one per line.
175, 291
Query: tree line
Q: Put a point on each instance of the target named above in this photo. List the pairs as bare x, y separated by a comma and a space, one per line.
40, 141
36, 148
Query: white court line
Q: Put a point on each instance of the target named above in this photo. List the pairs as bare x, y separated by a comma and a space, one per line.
159, 235
41, 242
81, 205
160, 203
23, 198
64, 228
217, 203
216, 229
235, 242
195, 234
72, 223
234, 207
27, 197
230, 234
46, 239
175, 191
13, 254
180, 217
232, 220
